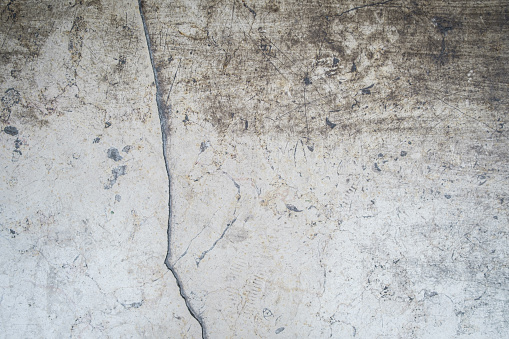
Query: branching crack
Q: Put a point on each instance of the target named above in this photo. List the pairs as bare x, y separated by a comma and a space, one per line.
164, 110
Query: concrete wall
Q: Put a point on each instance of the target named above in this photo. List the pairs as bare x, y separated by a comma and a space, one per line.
249, 169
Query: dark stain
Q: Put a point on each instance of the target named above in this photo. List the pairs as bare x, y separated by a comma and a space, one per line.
249, 8
11, 97
116, 172
113, 154
447, 196
403, 153
307, 81
293, 208
279, 330
96, 140
203, 146
311, 148
126, 148
11, 130
272, 6
121, 62
354, 67
443, 25
329, 123
366, 90
377, 168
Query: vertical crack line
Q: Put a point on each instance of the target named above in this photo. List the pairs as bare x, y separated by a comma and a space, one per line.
164, 110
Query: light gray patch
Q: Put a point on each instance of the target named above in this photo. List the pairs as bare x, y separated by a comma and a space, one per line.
116, 172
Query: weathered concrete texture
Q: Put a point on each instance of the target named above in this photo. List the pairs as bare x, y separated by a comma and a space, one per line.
338, 169
84, 194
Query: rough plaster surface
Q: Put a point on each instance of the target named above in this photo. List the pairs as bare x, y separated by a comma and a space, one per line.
335, 169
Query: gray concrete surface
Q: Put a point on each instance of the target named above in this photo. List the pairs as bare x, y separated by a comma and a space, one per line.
248, 168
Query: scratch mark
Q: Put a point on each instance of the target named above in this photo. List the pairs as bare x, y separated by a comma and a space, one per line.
360, 7
215, 242
171, 87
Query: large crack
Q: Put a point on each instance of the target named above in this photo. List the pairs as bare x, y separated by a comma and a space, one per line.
164, 111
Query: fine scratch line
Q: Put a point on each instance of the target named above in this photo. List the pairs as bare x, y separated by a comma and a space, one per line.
364, 6
215, 242
163, 109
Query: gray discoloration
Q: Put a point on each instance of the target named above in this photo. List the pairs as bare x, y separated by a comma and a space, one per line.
11, 130
114, 154
116, 173
293, 208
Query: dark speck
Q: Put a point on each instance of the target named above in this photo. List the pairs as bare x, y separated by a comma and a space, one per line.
307, 81
447, 196
12, 231
403, 153
11, 130
107, 124
203, 146
380, 155
279, 330
126, 149
292, 208
246, 124
354, 68
96, 140
377, 168
495, 217
118, 197
113, 154
311, 148
335, 61
366, 90
329, 123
